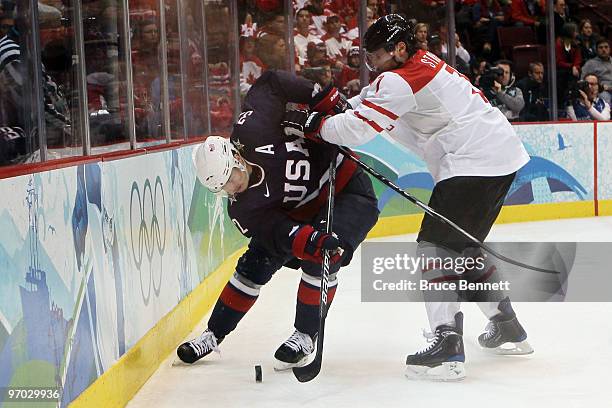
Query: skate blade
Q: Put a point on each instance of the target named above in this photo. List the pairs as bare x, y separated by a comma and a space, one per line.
512, 349
449, 371
177, 362
284, 366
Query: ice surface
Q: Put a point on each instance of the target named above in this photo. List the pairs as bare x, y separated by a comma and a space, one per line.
366, 346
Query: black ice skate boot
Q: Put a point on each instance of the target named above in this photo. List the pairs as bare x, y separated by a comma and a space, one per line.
294, 351
504, 334
201, 346
443, 359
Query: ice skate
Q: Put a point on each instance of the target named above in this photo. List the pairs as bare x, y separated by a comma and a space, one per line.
294, 352
443, 359
504, 335
201, 346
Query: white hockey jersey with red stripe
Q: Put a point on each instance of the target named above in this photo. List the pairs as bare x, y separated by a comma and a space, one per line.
429, 107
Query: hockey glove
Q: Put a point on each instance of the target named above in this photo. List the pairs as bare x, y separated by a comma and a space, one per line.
303, 124
329, 100
308, 244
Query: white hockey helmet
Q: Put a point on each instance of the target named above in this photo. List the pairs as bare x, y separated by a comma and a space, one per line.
214, 160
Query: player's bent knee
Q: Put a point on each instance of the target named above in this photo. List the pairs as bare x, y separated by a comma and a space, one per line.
256, 266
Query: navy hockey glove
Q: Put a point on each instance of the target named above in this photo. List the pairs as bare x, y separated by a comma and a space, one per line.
303, 124
308, 244
329, 100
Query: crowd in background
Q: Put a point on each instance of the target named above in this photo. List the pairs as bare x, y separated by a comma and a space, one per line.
326, 41
200, 70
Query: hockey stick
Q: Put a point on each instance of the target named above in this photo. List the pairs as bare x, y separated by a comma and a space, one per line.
347, 153
310, 371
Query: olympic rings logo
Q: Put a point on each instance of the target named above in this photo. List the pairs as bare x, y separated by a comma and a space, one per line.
147, 233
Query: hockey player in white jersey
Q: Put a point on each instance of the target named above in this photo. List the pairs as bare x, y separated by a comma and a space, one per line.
473, 155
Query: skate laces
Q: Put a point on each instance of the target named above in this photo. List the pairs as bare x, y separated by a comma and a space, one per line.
205, 343
300, 341
490, 330
432, 338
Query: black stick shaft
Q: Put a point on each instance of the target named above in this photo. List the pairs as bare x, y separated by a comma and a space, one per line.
310, 371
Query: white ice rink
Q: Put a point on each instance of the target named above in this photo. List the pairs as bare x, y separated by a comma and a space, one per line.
366, 345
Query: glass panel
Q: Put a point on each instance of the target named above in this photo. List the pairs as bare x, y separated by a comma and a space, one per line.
175, 79
18, 135
221, 50
106, 75
61, 98
57, 101
147, 70
196, 105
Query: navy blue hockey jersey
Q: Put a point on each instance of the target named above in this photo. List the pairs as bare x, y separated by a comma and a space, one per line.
288, 186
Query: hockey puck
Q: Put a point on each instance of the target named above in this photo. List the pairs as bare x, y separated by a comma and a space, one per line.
258, 373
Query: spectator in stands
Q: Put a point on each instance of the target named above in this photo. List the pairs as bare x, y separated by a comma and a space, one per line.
348, 80
304, 33
487, 15
568, 58
146, 65
601, 66
6, 23
275, 25
378, 8
14, 95
272, 51
506, 96
251, 66
337, 45
348, 10
530, 13
561, 18
319, 15
321, 74
477, 68
248, 28
527, 12
145, 50
534, 94
421, 31
589, 105
317, 54
463, 58
587, 40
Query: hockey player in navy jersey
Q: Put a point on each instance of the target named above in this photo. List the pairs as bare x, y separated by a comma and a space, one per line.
471, 151
277, 189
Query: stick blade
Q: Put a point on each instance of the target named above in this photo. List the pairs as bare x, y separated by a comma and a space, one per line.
308, 372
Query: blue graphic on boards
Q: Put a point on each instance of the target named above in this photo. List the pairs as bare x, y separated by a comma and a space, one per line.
535, 182
562, 145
